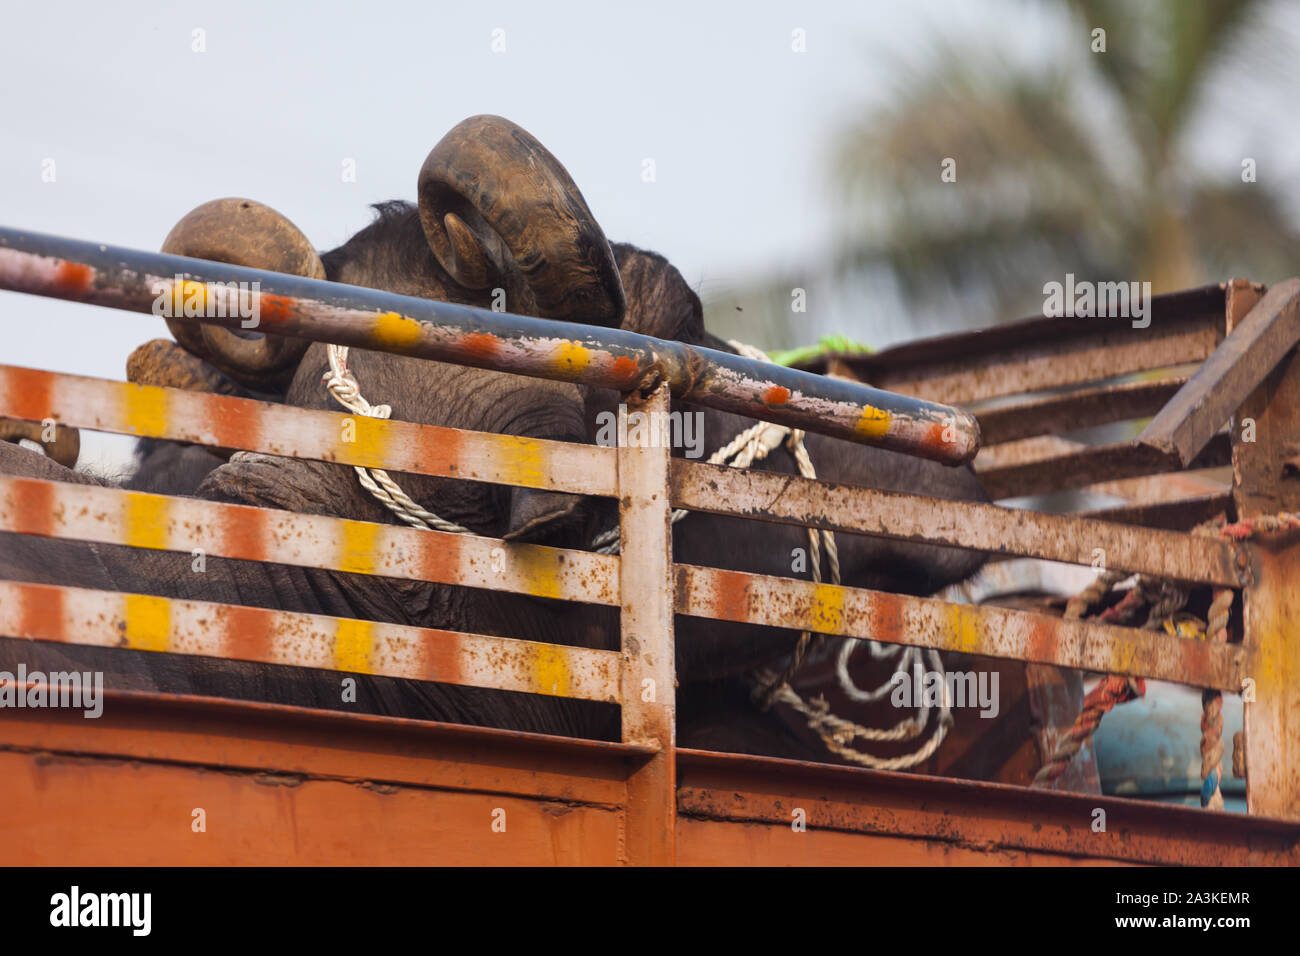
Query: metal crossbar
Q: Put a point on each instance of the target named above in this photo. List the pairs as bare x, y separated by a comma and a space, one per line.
367, 318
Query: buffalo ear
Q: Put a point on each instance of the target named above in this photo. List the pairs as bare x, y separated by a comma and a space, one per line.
537, 515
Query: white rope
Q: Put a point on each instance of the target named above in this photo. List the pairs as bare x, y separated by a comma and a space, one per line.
837, 733
343, 386
753, 444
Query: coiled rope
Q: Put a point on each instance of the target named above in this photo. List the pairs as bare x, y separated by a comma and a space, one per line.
1166, 600
753, 444
837, 734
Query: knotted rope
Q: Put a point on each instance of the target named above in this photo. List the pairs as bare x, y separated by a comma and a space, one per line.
836, 733
753, 444
343, 386
1166, 599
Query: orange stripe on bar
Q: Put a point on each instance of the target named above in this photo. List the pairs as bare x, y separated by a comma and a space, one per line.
245, 634
26, 393
235, 423
31, 503
103, 618
40, 611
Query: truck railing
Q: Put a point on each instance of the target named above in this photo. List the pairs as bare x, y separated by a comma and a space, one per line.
643, 581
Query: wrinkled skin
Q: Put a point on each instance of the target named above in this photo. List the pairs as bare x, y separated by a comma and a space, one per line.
660, 303
418, 391
393, 254
115, 568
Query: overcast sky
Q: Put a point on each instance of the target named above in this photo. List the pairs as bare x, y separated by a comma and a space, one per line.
141, 128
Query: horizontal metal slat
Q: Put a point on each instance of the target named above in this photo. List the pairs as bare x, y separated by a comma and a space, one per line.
1083, 408
926, 622
224, 421
793, 499
142, 622
1093, 464
160, 522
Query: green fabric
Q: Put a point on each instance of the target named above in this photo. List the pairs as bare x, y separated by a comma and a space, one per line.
829, 345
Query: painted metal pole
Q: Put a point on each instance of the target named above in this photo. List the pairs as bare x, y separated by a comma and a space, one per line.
543, 348
1271, 603
649, 673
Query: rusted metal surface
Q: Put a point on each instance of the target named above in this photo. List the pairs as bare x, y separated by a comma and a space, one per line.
286, 739
142, 622
1083, 408
291, 785
925, 622
796, 500
1272, 718
1042, 353
649, 681
1095, 464
1262, 485
287, 785
1025, 450
1181, 514
224, 421
1149, 489
141, 815
366, 318
1265, 480
745, 808
1257, 343
142, 520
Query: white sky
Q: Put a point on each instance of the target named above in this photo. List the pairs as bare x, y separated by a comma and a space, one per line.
142, 129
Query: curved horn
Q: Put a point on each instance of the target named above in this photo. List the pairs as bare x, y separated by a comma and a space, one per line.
65, 448
491, 193
243, 233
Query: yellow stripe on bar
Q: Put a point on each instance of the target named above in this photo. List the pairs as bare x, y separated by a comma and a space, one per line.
395, 329
145, 519
353, 642
356, 546
551, 671
874, 422
144, 409
827, 616
148, 622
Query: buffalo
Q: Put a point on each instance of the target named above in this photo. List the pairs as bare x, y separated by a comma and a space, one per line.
497, 216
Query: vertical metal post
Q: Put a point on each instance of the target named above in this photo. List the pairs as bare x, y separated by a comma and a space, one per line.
1262, 485
649, 691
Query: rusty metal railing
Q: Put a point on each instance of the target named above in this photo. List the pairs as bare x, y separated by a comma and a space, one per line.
643, 582
611, 358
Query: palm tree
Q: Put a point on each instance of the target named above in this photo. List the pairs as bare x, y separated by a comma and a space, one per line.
1083, 163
